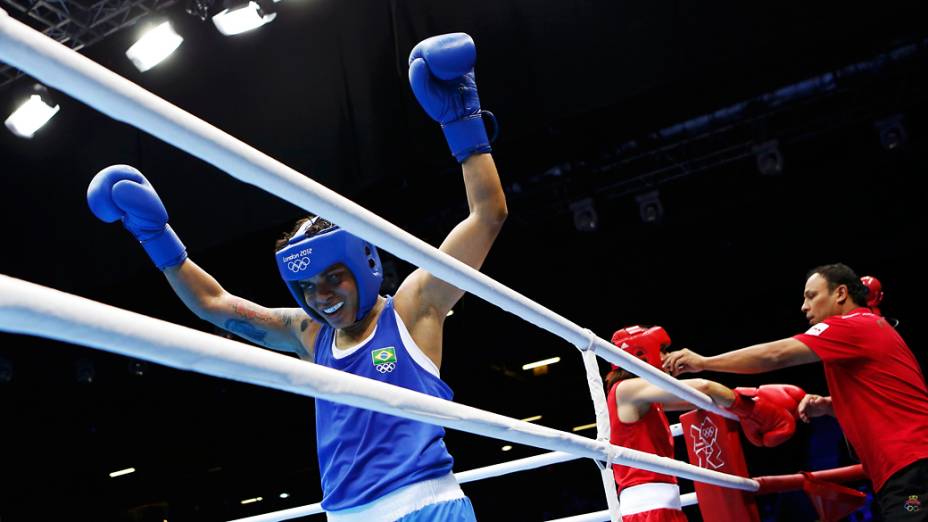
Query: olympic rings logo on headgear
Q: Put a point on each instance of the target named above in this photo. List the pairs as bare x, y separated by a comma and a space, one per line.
299, 264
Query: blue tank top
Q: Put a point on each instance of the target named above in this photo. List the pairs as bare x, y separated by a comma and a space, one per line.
363, 455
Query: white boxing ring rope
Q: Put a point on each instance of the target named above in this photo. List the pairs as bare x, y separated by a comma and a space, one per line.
31, 309
104, 90
66, 70
686, 499
473, 475
28, 308
495, 470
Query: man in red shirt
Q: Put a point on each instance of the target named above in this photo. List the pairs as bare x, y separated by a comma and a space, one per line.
878, 392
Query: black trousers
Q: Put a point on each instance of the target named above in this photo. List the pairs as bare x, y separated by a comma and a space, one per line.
904, 497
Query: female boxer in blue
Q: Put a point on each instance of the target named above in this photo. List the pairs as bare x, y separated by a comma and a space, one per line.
375, 467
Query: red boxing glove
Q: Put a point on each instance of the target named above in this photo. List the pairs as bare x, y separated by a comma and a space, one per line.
874, 293
768, 414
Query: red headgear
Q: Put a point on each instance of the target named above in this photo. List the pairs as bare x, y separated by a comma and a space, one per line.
645, 344
874, 293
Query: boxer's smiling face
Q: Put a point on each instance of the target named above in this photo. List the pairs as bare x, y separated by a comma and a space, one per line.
333, 294
820, 303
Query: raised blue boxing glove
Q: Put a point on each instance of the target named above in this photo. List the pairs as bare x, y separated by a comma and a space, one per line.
441, 73
122, 192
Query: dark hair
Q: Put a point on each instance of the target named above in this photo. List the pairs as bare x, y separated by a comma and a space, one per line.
840, 274
318, 225
616, 375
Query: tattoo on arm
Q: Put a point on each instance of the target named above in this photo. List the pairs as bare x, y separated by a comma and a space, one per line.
245, 329
304, 325
285, 318
249, 314
246, 326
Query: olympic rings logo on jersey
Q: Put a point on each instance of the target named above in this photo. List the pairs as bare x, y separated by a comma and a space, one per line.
298, 265
386, 367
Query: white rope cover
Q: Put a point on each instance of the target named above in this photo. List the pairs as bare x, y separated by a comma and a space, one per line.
36, 310
111, 94
687, 499
471, 475
463, 477
603, 429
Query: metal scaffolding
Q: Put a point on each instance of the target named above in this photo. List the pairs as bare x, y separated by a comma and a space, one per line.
78, 24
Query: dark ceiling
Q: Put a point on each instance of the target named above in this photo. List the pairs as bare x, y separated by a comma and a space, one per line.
581, 90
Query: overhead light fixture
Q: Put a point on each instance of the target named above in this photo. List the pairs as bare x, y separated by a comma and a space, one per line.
239, 17
138, 368
33, 113
507, 447
252, 500
284, 495
531, 419
122, 472
156, 44
585, 218
769, 158
538, 364
650, 207
583, 427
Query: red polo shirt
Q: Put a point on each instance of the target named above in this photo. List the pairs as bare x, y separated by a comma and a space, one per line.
877, 390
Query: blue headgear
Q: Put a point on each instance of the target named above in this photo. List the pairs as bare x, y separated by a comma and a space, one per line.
305, 257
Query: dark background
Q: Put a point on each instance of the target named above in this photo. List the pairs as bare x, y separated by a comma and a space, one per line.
589, 96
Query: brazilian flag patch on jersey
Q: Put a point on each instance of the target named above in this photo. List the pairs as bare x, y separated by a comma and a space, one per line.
384, 359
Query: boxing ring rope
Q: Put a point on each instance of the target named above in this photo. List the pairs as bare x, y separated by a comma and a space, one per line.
113, 95
603, 427
28, 308
473, 475
686, 499
781, 483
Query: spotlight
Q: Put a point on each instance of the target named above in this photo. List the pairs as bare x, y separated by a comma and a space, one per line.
892, 132
156, 44
239, 17
33, 113
649, 207
585, 218
769, 159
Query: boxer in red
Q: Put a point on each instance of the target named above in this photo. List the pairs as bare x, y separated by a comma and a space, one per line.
636, 415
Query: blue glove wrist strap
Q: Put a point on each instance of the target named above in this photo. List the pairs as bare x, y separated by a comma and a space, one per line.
467, 136
165, 249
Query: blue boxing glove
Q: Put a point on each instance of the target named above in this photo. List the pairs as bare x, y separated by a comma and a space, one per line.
441, 73
122, 192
